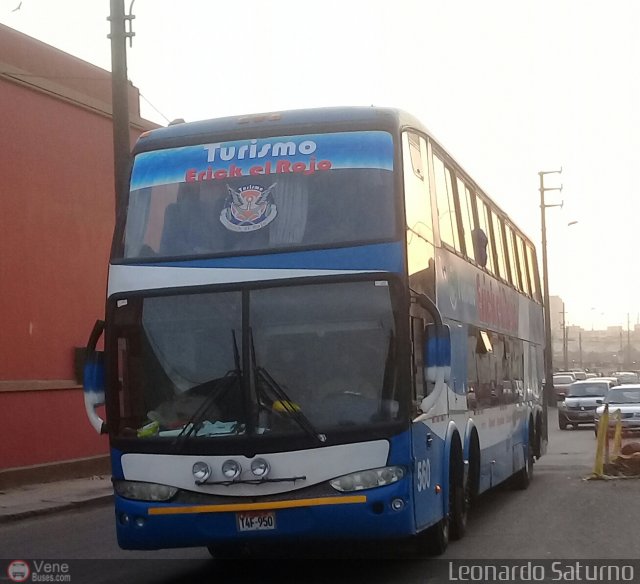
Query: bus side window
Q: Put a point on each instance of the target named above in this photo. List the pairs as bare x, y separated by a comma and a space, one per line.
447, 216
472, 369
419, 222
486, 391
417, 360
419, 319
517, 364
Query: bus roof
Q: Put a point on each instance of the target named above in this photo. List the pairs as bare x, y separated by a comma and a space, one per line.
282, 121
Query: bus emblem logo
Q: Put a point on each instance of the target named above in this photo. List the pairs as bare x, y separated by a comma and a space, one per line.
249, 208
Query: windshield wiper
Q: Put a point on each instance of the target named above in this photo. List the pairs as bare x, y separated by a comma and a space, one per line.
199, 416
287, 404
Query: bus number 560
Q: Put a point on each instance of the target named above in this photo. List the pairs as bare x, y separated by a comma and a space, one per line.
423, 472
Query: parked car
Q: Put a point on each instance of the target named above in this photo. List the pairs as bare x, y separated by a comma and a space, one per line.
579, 375
625, 398
581, 400
561, 381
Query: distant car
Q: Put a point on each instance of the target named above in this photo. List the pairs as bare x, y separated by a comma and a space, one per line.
614, 379
561, 381
625, 377
579, 375
580, 402
591, 376
625, 398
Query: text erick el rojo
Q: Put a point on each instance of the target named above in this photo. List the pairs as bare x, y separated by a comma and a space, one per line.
251, 151
280, 167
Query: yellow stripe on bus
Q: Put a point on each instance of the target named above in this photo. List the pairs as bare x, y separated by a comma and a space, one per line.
258, 506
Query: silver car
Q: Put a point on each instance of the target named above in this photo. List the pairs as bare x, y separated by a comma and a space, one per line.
581, 400
561, 381
625, 398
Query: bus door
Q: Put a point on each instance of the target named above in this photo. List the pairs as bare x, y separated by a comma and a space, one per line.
428, 459
429, 427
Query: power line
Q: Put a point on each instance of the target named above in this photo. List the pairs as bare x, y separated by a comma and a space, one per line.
156, 109
83, 77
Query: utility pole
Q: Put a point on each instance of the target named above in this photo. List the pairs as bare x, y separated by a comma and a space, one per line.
580, 347
120, 100
548, 392
565, 340
621, 353
628, 365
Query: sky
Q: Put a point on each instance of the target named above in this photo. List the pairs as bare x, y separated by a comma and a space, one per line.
509, 87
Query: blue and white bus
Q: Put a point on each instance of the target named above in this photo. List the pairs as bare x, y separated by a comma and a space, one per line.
318, 327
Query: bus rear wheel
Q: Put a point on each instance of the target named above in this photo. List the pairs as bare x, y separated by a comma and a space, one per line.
459, 499
524, 476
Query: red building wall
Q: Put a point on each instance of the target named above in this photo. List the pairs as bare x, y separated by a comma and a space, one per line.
56, 222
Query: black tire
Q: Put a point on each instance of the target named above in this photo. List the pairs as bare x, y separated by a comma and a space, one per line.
436, 538
473, 478
459, 495
522, 479
562, 422
538, 438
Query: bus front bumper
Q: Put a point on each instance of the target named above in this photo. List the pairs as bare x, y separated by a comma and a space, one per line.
382, 513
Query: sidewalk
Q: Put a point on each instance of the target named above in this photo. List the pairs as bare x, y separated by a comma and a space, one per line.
39, 499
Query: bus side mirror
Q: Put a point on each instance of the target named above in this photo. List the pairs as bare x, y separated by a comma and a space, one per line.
437, 352
93, 379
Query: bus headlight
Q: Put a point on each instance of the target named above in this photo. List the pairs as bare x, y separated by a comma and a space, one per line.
368, 479
144, 491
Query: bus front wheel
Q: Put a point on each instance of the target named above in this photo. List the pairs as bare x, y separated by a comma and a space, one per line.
436, 538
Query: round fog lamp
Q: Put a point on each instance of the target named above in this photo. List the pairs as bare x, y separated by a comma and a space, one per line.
201, 472
397, 504
231, 469
260, 467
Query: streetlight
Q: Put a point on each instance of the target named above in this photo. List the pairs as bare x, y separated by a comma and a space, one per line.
548, 391
565, 336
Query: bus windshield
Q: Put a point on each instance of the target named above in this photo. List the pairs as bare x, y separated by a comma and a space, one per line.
260, 194
325, 350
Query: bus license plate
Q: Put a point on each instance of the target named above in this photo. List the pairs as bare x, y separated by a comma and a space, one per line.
256, 521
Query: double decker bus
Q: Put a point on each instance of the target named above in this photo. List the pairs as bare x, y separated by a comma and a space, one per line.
318, 327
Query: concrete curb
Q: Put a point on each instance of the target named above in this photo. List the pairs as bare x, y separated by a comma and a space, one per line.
50, 510
12, 478
46, 498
